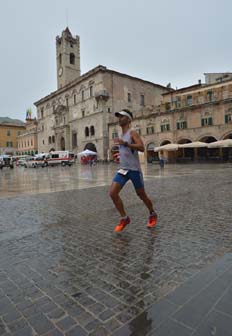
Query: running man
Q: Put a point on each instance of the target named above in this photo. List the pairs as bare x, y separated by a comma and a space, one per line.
129, 145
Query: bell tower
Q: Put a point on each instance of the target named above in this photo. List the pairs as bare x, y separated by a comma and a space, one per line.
67, 58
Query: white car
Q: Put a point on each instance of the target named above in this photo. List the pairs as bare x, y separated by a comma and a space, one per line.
21, 162
34, 162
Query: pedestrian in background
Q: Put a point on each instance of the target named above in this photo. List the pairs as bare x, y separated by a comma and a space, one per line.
161, 160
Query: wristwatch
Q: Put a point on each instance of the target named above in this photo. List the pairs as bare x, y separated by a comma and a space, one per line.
125, 144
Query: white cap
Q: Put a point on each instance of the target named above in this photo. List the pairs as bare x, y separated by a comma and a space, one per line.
124, 113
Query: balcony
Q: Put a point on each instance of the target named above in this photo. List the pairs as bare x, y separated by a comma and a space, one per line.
102, 95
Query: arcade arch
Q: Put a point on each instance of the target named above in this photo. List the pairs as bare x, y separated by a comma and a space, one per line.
90, 146
165, 142
207, 154
185, 154
227, 152
184, 141
227, 136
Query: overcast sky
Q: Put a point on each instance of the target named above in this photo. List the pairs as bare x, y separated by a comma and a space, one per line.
174, 41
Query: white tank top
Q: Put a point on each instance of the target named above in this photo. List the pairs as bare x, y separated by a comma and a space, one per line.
129, 158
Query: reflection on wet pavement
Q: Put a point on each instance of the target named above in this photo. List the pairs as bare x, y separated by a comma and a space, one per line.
51, 179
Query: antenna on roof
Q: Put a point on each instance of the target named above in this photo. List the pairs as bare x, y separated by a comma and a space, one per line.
66, 17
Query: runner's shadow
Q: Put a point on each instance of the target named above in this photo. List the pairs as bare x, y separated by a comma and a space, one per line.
121, 245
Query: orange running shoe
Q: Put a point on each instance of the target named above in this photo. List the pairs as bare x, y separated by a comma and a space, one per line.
152, 221
122, 224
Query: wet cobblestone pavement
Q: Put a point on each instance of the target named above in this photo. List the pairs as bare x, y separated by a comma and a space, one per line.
63, 271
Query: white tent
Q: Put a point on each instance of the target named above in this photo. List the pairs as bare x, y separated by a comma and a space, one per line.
168, 147
194, 144
221, 143
87, 152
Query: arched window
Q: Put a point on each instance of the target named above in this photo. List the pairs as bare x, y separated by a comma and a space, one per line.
49, 139
53, 138
86, 131
150, 146
60, 59
72, 58
92, 130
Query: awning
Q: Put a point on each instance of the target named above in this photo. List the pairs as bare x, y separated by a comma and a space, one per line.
87, 152
168, 147
221, 143
195, 144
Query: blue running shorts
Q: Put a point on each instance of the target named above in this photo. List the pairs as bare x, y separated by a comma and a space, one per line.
135, 176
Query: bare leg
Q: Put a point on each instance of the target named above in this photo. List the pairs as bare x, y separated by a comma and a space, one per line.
162, 170
146, 200
114, 194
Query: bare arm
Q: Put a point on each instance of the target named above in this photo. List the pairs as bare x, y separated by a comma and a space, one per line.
137, 142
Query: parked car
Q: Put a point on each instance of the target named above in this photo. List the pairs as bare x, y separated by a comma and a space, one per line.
34, 162
6, 161
43, 157
21, 162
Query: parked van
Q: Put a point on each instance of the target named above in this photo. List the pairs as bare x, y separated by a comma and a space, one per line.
65, 158
6, 161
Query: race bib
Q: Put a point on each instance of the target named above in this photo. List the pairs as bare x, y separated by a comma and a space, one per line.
122, 171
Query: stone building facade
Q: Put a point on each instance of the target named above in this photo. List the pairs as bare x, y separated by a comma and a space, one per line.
78, 114
9, 131
201, 112
198, 113
27, 141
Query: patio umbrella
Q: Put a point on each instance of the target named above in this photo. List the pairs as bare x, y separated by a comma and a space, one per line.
168, 147
220, 143
87, 152
194, 144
